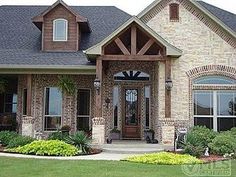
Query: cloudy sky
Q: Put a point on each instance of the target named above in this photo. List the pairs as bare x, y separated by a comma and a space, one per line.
131, 6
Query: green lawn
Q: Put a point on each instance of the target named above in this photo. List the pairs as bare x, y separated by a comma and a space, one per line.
14, 167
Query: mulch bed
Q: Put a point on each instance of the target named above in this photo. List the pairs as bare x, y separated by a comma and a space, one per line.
213, 158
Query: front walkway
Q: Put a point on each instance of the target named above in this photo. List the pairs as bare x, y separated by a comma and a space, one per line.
118, 150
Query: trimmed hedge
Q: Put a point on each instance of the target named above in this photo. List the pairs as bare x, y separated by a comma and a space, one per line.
47, 148
19, 141
224, 143
164, 158
7, 136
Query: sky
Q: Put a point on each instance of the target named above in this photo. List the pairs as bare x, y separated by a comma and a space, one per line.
133, 7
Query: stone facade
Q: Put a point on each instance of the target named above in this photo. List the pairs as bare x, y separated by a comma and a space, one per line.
201, 46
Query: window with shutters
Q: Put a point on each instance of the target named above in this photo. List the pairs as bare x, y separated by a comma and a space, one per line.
174, 12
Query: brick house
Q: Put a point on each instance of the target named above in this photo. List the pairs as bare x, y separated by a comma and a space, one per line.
172, 66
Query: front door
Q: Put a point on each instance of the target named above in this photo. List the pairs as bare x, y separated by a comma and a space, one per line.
131, 112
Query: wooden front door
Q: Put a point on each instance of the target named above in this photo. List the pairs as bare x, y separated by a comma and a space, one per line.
131, 112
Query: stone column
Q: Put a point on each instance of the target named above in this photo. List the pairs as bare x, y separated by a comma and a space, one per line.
168, 132
28, 126
98, 131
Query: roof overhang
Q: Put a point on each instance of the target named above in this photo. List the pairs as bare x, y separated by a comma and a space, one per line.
47, 69
96, 50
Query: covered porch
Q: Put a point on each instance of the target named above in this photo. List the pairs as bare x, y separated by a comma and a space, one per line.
133, 84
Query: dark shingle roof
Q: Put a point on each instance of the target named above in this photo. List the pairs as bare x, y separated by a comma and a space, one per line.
228, 18
20, 39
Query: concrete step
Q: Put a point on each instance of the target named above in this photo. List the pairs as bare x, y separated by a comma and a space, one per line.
133, 147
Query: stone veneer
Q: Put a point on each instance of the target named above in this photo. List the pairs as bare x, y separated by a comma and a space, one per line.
201, 47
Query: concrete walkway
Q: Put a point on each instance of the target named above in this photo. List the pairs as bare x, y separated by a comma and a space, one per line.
101, 156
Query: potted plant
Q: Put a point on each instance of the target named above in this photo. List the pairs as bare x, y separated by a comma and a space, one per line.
149, 133
65, 129
115, 134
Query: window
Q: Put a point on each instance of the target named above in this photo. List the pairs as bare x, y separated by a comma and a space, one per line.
53, 107
10, 103
115, 105
174, 12
83, 109
216, 109
131, 76
147, 107
24, 102
60, 30
214, 80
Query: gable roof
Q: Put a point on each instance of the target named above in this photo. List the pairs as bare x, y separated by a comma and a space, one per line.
207, 9
170, 49
20, 39
226, 17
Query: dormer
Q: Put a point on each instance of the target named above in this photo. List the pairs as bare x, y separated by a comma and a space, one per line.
61, 28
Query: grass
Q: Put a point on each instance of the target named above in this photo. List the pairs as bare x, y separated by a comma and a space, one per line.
15, 167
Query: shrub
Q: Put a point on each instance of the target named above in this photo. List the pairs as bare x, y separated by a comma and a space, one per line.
80, 140
164, 158
198, 139
57, 136
19, 141
44, 147
7, 136
224, 143
196, 151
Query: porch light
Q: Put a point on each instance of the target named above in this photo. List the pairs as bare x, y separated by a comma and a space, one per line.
97, 84
108, 101
169, 84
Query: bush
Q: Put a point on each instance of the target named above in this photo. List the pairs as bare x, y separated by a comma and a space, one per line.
19, 141
164, 158
196, 151
58, 136
49, 148
7, 136
198, 139
80, 140
224, 143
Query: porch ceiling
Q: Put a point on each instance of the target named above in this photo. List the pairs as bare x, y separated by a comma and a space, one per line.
96, 50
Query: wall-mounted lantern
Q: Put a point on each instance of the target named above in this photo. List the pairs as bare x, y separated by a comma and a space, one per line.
97, 85
169, 84
108, 101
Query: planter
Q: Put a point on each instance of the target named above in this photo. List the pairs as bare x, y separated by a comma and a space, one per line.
149, 134
115, 136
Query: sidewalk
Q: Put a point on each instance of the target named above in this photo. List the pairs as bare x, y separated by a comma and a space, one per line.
101, 156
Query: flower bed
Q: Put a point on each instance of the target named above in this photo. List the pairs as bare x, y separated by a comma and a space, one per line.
48, 148
165, 158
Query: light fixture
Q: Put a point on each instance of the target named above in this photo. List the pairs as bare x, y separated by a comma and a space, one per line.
97, 85
169, 84
108, 101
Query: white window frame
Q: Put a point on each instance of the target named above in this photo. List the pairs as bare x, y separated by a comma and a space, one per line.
118, 106
148, 86
87, 116
44, 108
54, 29
215, 115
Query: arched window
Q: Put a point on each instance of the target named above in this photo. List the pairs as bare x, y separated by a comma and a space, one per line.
215, 102
131, 76
60, 30
214, 80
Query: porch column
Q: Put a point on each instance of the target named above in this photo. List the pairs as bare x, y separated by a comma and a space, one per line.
168, 128
28, 120
98, 122
168, 92
98, 112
